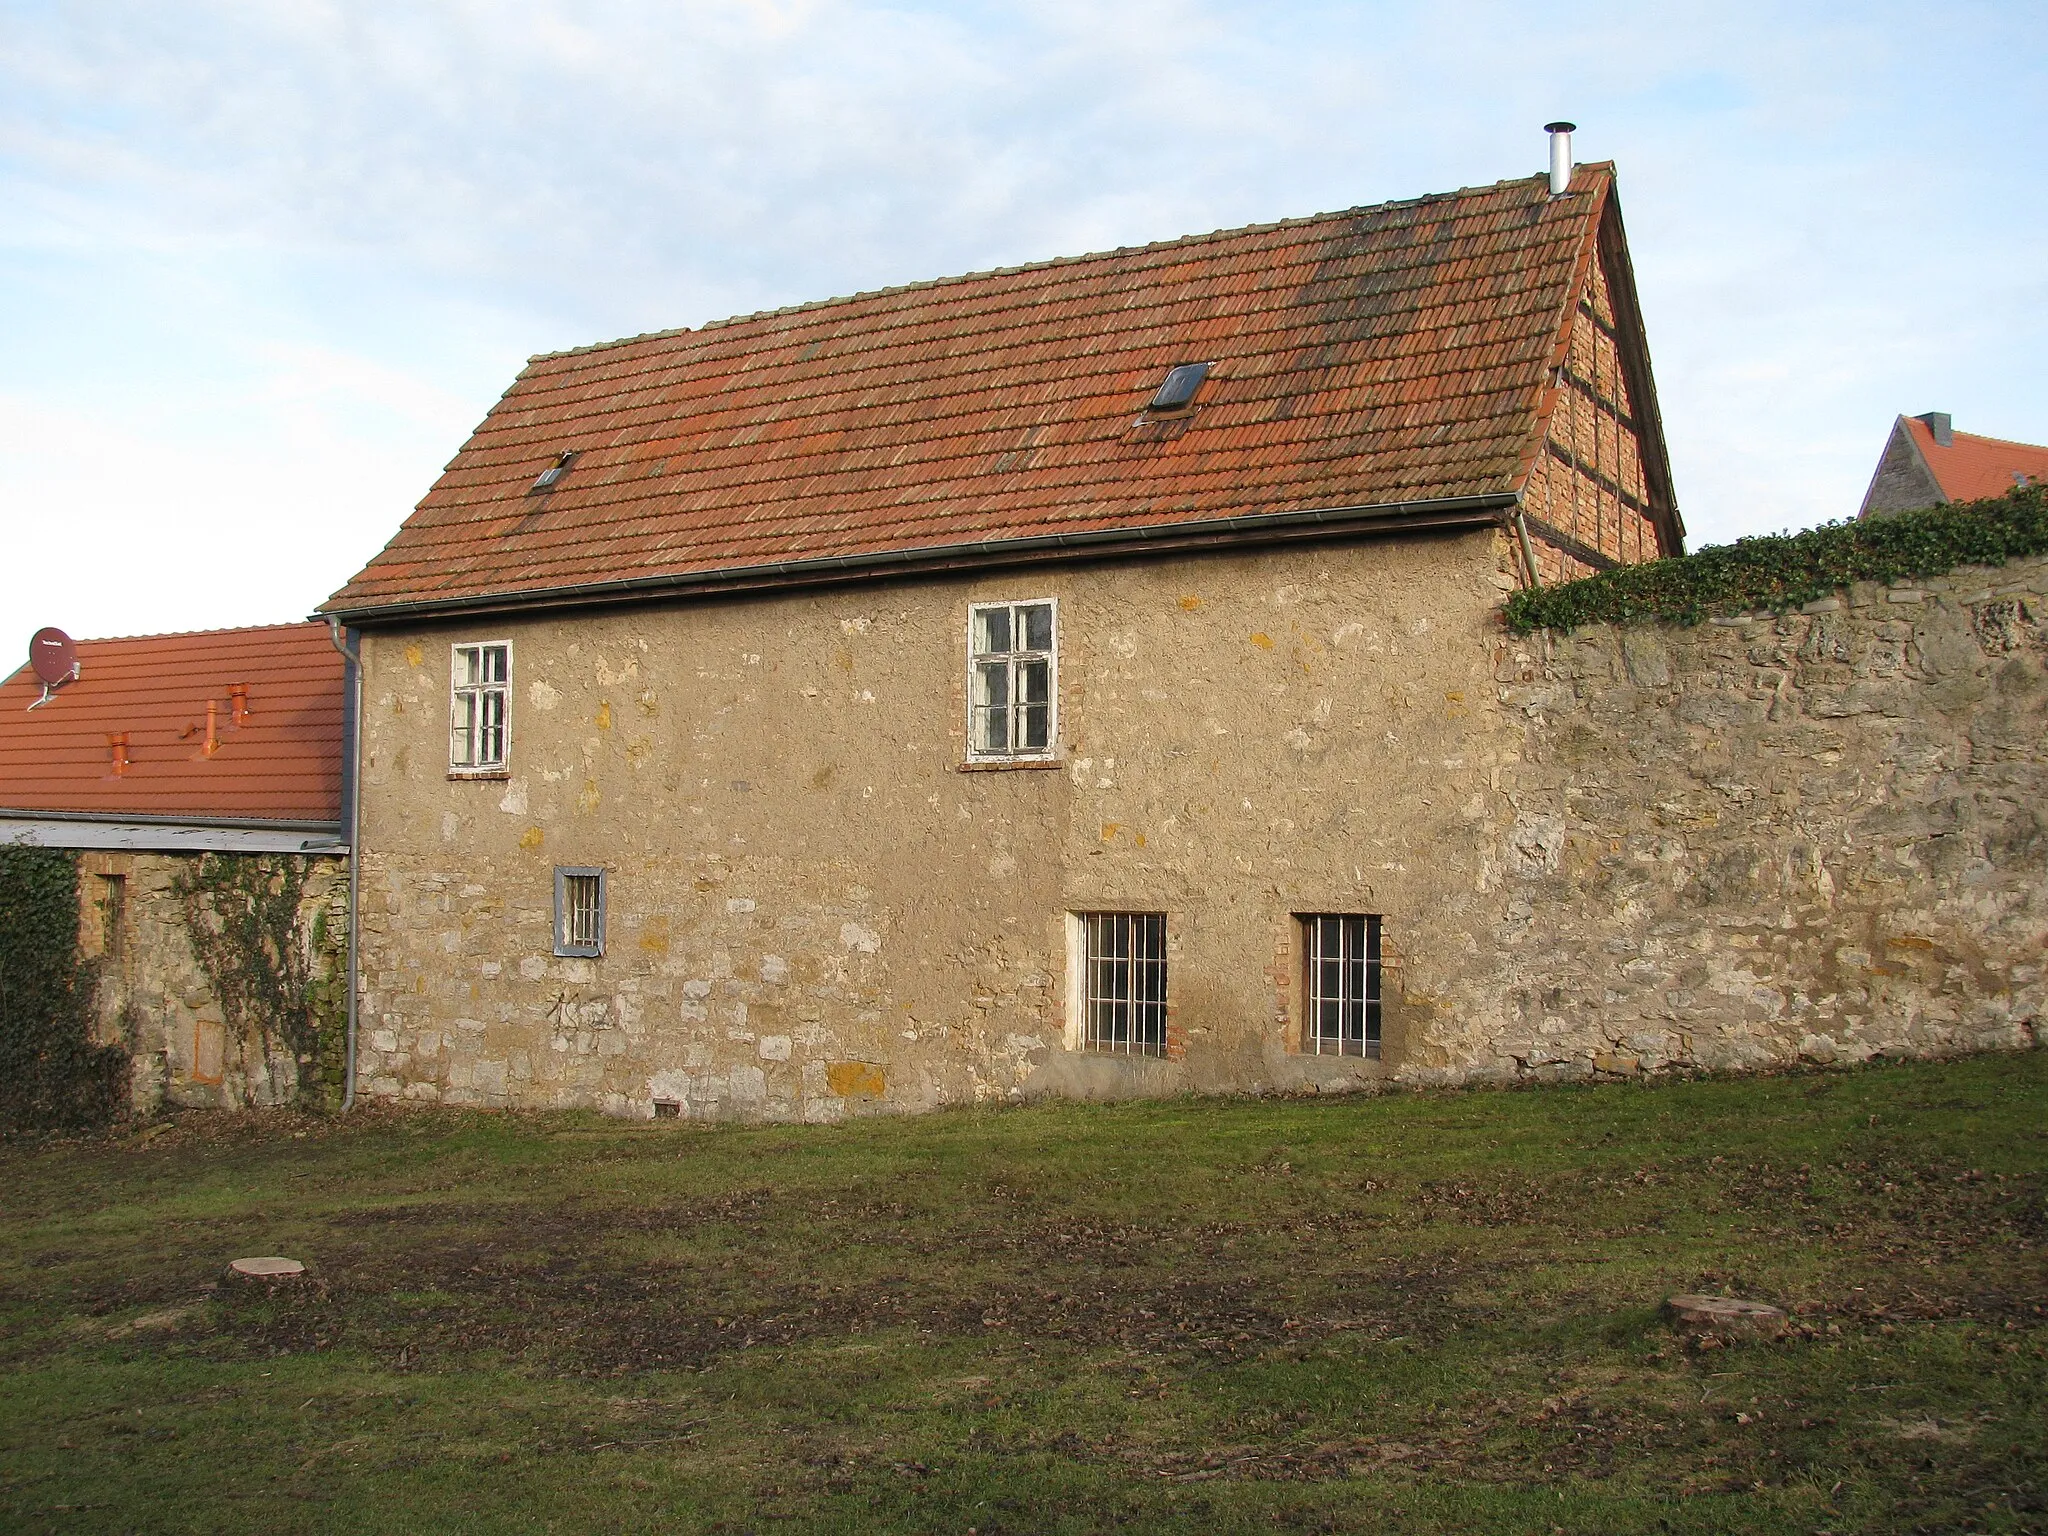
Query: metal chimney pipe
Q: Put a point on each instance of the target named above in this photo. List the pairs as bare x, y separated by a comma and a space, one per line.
1560, 157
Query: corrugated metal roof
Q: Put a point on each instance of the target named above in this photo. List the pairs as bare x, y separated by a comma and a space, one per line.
283, 763
1382, 355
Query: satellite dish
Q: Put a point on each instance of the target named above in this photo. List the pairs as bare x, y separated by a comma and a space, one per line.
54, 656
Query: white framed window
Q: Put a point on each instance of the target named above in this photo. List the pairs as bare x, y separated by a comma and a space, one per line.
1341, 984
1119, 982
579, 911
1012, 680
479, 715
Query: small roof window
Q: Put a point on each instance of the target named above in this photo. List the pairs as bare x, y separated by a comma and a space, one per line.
1177, 393
556, 470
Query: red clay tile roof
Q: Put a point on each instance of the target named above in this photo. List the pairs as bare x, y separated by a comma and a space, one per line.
1973, 467
1382, 355
282, 764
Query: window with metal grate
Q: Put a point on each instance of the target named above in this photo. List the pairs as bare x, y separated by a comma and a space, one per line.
1123, 982
579, 911
1342, 985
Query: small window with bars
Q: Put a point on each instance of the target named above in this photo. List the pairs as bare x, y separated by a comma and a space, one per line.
481, 685
1122, 992
1342, 985
579, 911
1011, 680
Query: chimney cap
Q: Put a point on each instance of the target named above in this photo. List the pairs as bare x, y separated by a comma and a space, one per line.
1560, 127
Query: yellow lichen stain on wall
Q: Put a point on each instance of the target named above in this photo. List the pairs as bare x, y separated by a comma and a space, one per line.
1190, 603
856, 1079
414, 656
531, 837
654, 938
604, 715
589, 799
1263, 641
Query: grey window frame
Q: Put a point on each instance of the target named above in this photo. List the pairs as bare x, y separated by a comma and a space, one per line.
1342, 992
1016, 655
480, 691
564, 873
1116, 1011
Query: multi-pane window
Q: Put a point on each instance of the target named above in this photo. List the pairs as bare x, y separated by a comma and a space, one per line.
1010, 680
482, 681
1342, 985
579, 911
1123, 982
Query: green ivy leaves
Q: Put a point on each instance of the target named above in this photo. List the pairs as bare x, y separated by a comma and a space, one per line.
1781, 571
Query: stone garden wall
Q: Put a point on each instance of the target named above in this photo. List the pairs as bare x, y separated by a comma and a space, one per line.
1818, 837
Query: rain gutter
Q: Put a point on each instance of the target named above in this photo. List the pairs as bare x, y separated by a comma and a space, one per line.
1449, 512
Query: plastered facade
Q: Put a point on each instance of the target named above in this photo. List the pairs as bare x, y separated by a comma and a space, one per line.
154, 997
1748, 843
814, 908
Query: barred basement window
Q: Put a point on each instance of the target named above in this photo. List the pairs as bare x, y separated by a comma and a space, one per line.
1012, 680
579, 911
1122, 996
481, 684
1342, 985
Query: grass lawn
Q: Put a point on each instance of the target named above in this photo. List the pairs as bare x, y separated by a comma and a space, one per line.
1428, 1312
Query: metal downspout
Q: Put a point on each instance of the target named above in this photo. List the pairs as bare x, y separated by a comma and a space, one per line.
1528, 556
355, 839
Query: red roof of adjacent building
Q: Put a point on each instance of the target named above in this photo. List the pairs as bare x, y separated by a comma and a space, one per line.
1380, 356
1971, 467
281, 763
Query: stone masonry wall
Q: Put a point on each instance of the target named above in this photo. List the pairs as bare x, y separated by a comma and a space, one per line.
1757, 841
155, 998
816, 908
1816, 837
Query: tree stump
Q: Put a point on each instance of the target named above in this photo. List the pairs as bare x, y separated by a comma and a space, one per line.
268, 1269
1726, 1317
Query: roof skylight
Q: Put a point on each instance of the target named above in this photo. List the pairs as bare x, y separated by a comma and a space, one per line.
556, 470
1178, 390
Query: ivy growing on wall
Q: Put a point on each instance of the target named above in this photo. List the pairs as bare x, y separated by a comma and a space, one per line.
242, 917
53, 1075
1782, 571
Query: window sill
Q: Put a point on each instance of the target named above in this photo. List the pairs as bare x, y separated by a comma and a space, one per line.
1002, 764
479, 773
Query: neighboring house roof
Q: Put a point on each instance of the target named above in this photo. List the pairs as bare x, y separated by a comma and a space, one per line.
1926, 462
281, 765
1396, 357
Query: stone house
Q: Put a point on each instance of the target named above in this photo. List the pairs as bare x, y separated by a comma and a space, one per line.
1927, 463
219, 754
1073, 678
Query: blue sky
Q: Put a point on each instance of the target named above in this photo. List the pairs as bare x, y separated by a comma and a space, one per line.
264, 265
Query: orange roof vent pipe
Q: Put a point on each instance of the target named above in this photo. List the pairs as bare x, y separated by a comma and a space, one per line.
117, 746
212, 727
238, 703
1560, 156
